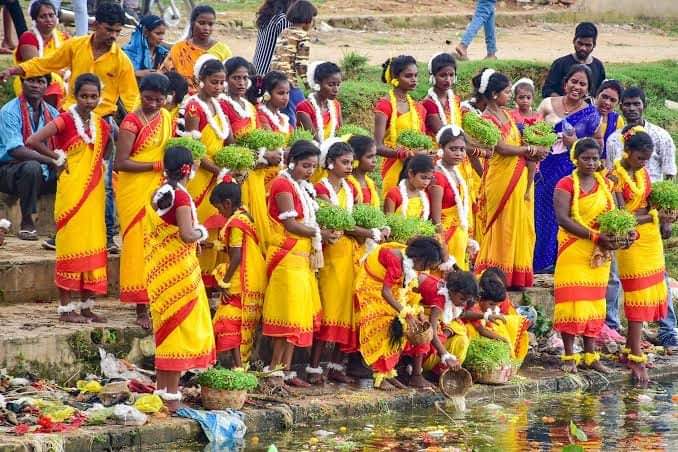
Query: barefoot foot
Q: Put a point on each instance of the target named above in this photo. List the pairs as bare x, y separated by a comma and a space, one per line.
143, 319
419, 382
639, 374
92, 316
395, 382
386, 386
339, 377
72, 317
569, 367
598, 366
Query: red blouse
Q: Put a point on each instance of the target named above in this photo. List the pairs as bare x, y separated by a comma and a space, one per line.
263, 119
320, 189
193, 110
383, 106
448, 195
237, 122
428, 289
68, 133
307, 107
282, 185
393, 265
181, 198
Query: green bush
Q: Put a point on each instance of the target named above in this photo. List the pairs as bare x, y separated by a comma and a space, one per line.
353, 65
403, 229
369, 217
617, 222
334, 217
195, 146
235, 158
664, 195
260, 138
299, 134
485, 355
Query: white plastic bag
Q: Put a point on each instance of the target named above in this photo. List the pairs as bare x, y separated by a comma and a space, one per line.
129, 415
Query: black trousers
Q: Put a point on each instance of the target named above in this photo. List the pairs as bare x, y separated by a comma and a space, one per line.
24, 180
17, 15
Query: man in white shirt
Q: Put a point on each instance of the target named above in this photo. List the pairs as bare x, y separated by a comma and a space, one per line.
661, 166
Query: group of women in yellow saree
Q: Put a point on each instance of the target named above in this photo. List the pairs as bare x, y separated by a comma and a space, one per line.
265, 252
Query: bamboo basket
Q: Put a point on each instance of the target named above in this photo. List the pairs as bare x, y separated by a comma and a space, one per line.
622, 241
498, 376
421, 334
221, 399
455, 383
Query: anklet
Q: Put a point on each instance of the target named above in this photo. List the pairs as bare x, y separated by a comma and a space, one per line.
576, 357
87, 304
640, 359
274, 373
590, 358
70, 307
291, 375
338, 367
315, 370
168, 396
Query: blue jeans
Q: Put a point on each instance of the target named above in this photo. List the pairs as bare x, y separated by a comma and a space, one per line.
111, 217
80, 13
484, 16
296, 97
667, 325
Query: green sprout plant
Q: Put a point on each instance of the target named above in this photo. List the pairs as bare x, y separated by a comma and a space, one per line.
664, 195
480, 130
228, 380
235, 158
299, 134
540, 134
352, 129
414, 140
261, 139
403, 229
368, 217
334, 217
617, 222
486, 355
195, 146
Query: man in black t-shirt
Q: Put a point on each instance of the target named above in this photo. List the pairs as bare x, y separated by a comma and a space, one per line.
585, 36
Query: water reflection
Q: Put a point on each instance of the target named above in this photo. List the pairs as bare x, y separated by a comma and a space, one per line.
620, 418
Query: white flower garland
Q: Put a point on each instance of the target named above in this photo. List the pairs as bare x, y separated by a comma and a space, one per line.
246, 112
426, 205
225, 130
280, 120
306, 193
450, 310
408, 270
41, 42
439, 106
80, 125
462, 203
334, 197
331, 108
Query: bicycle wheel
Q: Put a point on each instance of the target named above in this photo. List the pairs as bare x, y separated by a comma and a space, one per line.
176, 13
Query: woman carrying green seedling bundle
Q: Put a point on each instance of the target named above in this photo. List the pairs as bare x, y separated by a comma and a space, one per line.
338, 325
641, 266
583, 264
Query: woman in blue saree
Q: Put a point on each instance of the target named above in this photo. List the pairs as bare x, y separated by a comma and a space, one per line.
145, 48
573, 117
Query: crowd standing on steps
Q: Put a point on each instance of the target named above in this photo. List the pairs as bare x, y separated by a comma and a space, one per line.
486, 217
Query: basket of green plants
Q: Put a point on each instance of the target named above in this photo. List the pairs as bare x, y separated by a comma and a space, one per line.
414, 140
195, 146
489, 361
480, 131
262, 139
403, 229
225, 388
664, 198
540, 134
334, 217
620, 225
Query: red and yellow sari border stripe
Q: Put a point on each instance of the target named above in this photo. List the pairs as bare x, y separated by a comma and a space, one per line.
579, 293
82, 262
515, 178
284, 248
633, 283
174, 321
181, 364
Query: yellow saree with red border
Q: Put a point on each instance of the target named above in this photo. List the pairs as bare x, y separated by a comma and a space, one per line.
580, 288
178, 304
132, 192
238, 315
79, 206
509, 236
641, 267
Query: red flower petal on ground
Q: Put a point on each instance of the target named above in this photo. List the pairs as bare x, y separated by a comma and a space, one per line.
21, 429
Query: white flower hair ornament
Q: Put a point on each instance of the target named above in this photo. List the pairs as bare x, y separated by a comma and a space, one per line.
522, 81
200, 62
431, 75
315, 86
485, 80
325, 148
456, 131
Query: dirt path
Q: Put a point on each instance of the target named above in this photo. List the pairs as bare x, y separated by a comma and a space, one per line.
541, 42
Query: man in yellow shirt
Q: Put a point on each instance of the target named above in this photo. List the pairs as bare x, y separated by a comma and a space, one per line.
97, 54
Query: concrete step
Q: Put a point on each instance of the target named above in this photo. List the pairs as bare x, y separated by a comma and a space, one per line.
27, 272
44, 219
38, 343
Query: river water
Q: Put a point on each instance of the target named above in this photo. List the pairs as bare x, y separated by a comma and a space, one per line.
618, 418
